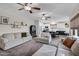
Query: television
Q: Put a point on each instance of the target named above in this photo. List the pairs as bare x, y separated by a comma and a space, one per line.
23, 34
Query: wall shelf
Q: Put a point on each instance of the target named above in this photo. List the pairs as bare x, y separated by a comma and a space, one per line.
12, 24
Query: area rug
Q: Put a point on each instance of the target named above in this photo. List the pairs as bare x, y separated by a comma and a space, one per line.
57, 40
46, 50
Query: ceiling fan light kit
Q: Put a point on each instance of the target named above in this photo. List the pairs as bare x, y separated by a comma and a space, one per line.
45, 16
28, 7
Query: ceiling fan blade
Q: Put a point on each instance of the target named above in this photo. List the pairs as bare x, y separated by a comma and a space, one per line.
21, 9
48, 17
43, 14
37, 8
25, 4
30, 11
30, 3
20, 4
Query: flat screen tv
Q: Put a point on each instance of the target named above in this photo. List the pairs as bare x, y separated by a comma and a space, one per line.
24, 34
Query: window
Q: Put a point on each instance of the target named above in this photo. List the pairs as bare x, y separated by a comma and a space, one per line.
78, 32
73, 31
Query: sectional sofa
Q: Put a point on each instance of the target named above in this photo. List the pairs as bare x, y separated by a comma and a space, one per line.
59, 49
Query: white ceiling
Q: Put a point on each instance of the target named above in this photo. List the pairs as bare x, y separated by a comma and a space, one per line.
59, 10
56, 10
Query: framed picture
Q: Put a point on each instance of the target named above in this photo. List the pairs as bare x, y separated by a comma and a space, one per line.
4, 20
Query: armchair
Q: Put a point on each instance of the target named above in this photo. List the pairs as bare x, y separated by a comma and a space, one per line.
44, 38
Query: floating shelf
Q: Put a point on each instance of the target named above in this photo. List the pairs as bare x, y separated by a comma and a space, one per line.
12, 24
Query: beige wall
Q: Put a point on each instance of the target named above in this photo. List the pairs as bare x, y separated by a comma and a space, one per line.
14, 15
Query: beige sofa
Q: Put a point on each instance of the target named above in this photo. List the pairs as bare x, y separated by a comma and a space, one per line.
59, 50
45, 37
9, 40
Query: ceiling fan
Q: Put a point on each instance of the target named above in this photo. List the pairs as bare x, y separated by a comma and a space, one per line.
45, 17
28, 7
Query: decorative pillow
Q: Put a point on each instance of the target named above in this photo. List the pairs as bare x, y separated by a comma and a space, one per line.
62, 40
68, 42
9, 36
70, 37
75, 48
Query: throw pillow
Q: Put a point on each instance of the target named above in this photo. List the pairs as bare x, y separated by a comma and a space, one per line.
75, 48
62, 40
68, 42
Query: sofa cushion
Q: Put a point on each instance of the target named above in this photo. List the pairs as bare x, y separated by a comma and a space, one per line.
17, 35
68, 42
45, 34
41, 39
75, 48
8, 37
70, 37
63, 52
